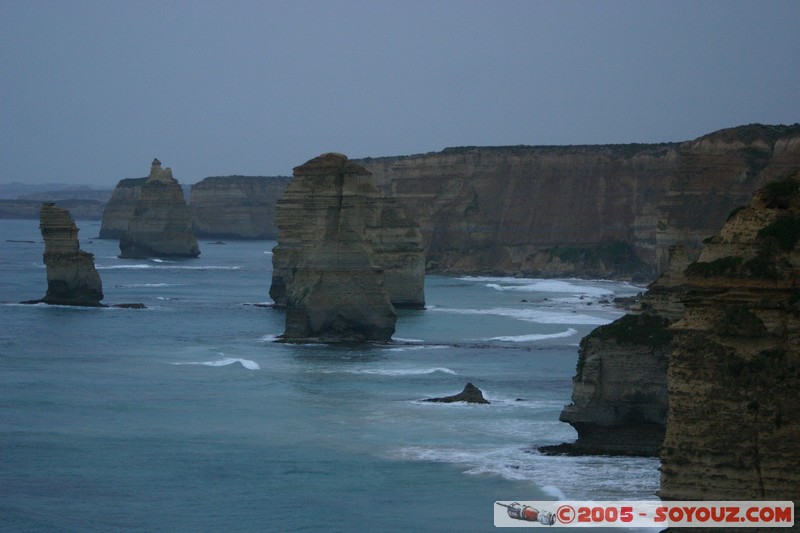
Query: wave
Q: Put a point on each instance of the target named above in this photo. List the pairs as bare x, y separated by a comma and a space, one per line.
171, 266
417, 347
400, 339
553, 286
562, 477
535, 315
269, 338
225, 361
535, 336
393, 371
139, 285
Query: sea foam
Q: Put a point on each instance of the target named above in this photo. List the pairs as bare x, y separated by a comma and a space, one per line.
535, 336
225, 361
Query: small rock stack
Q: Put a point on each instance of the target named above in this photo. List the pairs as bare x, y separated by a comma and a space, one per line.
71, 276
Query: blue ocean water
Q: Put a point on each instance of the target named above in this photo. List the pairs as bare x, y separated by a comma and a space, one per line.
188, 416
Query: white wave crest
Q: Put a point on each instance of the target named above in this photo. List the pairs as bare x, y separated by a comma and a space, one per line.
393, 371
536, 336
225, 361
535, 315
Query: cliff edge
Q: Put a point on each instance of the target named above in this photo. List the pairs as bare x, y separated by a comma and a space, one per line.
734, 372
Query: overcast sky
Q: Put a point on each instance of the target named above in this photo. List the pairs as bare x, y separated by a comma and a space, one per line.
92, 91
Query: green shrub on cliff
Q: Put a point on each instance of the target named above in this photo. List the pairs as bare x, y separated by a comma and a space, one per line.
636, 329
785, 230
724, 266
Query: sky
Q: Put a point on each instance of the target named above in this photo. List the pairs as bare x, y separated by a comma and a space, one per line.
91, 91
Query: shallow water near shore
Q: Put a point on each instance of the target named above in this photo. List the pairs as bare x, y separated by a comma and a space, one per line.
189, 416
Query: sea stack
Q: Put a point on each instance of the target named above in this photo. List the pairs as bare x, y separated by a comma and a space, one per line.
119, 209
734, 371
324, 269
160, 225
392, 240
71, 276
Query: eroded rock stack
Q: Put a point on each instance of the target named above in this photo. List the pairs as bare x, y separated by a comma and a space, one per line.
71, 276
326, 268
119, 209
734, 372
619, 395
159, 225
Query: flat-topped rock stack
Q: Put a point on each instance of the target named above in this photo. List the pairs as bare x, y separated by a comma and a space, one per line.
71, 276
160, 225
343, 252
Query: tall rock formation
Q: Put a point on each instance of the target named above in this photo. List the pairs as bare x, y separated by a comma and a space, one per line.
71, 275
119, 209
734, 372
610, 210
160, 224
236, 207
392, 239
324, 270
619, 395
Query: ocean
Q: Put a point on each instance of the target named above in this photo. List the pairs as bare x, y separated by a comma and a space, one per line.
189, 416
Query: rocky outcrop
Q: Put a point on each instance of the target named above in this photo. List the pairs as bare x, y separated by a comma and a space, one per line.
391, 239
610, 211
734, 372
71, 275
159, 225
619, 395
119, 209
323, 267
470, 394
236, 207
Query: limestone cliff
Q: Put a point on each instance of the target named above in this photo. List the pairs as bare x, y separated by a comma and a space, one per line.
619, 395
71, 275
159, 225
393, 241
323, 268
236, 207
119, 209
734, 372
609, 210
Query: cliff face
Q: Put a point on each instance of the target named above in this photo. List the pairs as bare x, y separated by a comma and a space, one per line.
159, 225
734, 373
71, 275
119, 209
236, 207
619, 395
323, 268
581, 210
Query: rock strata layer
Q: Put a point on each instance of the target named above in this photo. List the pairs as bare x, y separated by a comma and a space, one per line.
71, 275
379, 225
590, 211
159, 225
324, 271
236, 207
734, 372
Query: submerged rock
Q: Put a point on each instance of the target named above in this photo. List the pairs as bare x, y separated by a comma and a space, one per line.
159, 225
71, 276
324, 271
470, 394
